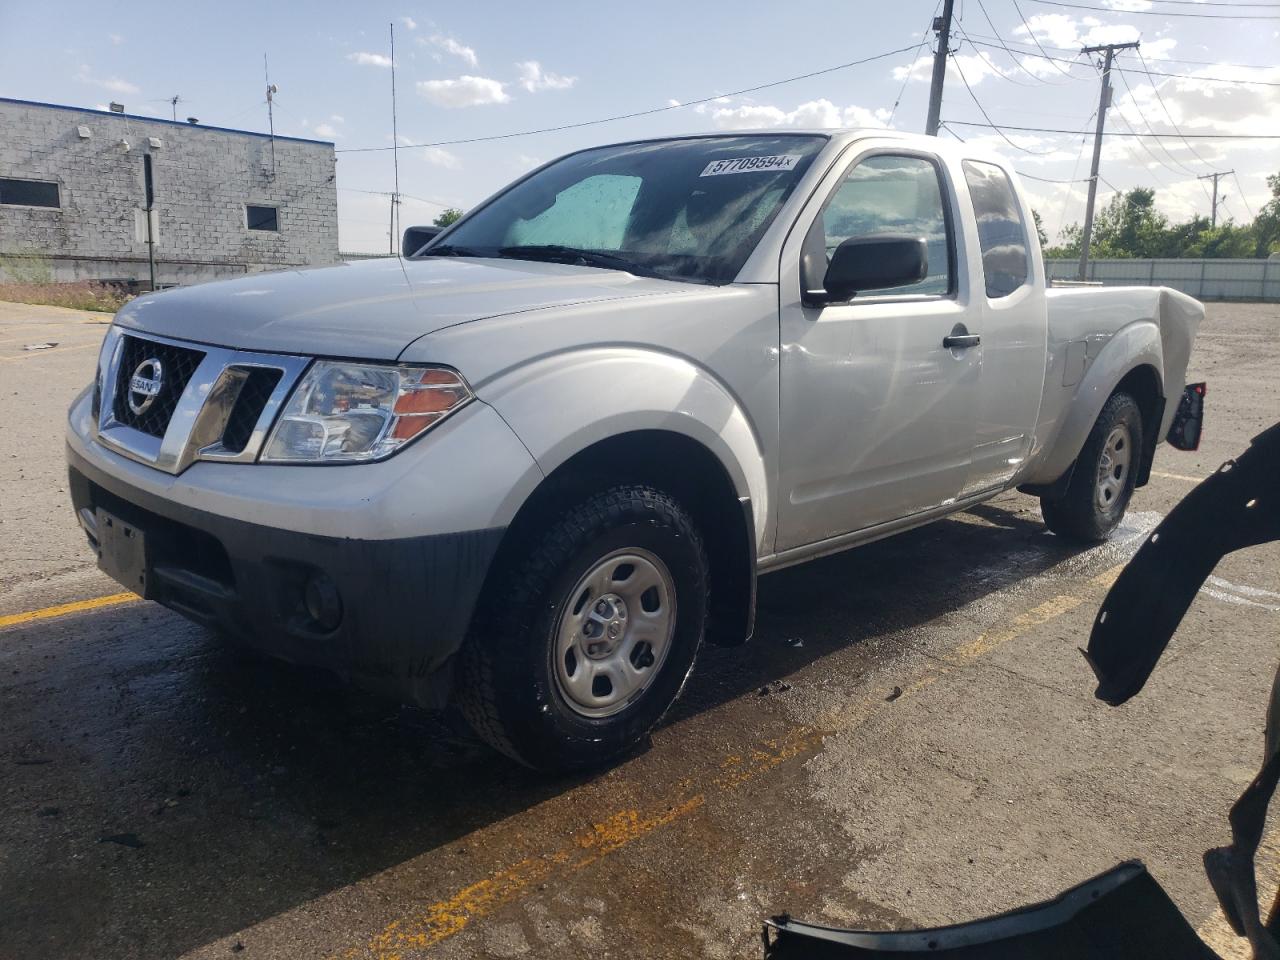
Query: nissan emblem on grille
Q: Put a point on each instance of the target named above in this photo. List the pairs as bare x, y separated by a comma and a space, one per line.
144, 385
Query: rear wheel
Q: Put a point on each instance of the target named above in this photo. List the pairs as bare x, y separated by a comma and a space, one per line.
1104, 478
585, 638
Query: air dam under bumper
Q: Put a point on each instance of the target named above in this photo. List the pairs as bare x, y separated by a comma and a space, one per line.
401, 606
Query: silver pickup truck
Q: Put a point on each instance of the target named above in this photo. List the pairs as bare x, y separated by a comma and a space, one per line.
532, 466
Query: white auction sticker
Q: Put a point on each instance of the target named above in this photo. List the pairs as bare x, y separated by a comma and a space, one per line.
783, 161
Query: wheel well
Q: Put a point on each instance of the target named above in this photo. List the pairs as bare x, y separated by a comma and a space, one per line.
1143, 384
689, 472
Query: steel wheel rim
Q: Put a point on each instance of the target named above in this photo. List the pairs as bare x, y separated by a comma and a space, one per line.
1113, 467
614, 632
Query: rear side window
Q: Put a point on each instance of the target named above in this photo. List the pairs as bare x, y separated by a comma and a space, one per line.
1001, 233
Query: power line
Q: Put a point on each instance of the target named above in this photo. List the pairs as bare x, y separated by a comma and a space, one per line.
1036, 40
1154, 73
1198, 63
906, 78
1243, 199
996, 70
1143, 117
1162, 136
982, 110
1012, 56
1160, 13
641, 113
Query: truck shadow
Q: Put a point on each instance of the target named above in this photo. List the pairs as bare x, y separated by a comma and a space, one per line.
253, 787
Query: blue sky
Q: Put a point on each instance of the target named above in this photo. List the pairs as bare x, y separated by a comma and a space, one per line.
478, 69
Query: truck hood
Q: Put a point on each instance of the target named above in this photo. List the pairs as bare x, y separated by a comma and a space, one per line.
373, 309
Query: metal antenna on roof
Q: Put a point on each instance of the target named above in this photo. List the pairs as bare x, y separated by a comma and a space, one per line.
272, 90
395, 149
173, 102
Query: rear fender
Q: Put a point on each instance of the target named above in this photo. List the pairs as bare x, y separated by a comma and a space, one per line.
1134, 346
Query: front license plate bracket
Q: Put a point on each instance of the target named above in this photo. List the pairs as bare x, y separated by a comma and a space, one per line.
122, 552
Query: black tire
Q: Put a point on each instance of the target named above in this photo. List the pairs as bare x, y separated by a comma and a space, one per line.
508, 689
1084, 513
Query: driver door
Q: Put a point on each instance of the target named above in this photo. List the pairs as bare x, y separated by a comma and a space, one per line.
878, 418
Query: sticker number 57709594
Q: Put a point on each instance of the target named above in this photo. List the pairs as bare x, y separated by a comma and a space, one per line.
783, 161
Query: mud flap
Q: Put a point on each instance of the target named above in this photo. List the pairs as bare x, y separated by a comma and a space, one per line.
1123, 914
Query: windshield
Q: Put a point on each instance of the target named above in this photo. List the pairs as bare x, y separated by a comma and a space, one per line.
679, 209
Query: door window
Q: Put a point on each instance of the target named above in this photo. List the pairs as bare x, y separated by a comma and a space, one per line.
1001, 233
894, 195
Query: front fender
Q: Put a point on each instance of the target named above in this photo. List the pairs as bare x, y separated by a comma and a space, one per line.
1136, 345
562, 404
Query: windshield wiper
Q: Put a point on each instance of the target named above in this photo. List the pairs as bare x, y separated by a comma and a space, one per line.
449, 250
558, 253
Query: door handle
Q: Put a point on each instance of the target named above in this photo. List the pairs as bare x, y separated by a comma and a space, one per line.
961, 342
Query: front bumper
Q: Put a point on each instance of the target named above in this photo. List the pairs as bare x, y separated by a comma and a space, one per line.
402, 606
403, 546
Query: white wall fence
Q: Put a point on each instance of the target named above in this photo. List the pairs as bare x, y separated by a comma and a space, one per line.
1202, 279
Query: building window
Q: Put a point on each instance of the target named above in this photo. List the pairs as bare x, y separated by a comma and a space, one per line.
28, 193
261, 218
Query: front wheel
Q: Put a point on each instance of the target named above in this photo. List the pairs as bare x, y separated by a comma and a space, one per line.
585, 637
1104, 478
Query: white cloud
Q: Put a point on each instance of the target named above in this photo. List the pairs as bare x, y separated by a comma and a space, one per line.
110, 84
975, 68
115, 39
409, 23
465, 91
440, 157
326, 130
366, 59
673, 103
816, 113
336, 118
533, 79
450, 45
1129, 6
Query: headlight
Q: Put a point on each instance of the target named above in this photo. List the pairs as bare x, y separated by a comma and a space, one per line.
355, 412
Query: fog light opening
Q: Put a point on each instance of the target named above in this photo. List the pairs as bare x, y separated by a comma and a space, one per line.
322, 602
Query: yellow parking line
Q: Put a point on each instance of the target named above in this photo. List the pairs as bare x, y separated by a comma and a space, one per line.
433, 923
62, 609
1177, 476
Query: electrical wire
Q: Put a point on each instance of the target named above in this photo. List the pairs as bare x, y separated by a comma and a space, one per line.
641, 113
1197, 63
1161, 13
1183, 168
1243, 199
1036, 40
991, 64
1162, 136
982, 110
924, 40
1154, 73
1012, 56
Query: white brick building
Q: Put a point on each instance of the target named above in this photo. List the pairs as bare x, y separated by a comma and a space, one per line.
73, 197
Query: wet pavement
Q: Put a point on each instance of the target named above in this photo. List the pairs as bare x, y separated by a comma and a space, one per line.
909, 739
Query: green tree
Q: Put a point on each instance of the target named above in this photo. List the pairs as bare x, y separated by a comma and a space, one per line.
447, 216
1266, 225
1044, 237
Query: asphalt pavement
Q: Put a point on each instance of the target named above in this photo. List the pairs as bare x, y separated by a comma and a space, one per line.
911, 738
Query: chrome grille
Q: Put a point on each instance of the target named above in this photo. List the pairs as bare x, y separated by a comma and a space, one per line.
178, 364
210, 403
254, 394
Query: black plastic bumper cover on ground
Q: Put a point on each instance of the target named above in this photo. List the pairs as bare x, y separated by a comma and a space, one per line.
405, 604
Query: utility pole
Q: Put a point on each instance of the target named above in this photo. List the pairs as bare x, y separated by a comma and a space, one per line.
942, 27
1104, 101
272, 90
1213, 216
395, 152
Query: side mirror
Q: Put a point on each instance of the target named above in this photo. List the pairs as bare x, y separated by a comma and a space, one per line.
415, 238
872, 263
